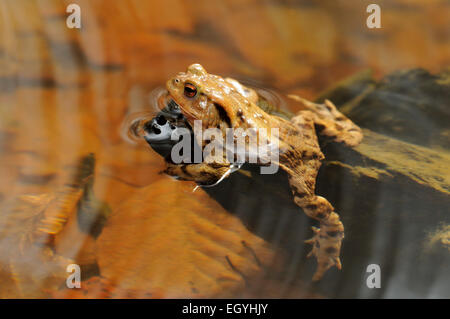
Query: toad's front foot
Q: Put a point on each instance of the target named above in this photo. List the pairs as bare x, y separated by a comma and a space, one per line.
202, 173
326, 248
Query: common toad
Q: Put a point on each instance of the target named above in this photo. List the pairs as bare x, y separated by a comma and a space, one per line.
223, 103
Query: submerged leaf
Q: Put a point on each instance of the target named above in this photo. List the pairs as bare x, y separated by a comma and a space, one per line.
167, 240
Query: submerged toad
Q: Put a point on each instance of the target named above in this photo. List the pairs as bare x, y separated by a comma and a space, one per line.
224, 103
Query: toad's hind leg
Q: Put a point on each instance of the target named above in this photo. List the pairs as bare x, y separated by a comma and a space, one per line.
302, 165
330, 122
327, 239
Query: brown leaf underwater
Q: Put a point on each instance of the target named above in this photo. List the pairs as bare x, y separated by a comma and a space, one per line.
173, 242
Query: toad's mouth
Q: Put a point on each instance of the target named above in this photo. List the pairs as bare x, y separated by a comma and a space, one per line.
159, 135
188, 115
161, 131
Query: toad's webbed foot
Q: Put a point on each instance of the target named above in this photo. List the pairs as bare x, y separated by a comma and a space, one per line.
326, 248
327, 239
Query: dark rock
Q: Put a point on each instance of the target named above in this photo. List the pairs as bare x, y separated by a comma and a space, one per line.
411, 105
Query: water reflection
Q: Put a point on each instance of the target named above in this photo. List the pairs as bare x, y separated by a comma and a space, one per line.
65, 93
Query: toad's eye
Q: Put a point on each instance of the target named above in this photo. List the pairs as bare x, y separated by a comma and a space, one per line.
190, 90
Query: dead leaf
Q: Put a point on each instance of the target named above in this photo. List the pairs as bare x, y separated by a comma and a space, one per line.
172, 242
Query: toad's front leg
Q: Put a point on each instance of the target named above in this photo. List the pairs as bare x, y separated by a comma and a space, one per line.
202, 173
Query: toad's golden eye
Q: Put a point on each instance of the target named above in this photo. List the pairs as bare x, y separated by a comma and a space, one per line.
190, 90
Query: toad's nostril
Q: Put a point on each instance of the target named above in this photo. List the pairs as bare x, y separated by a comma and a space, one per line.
161, 120
172, 105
